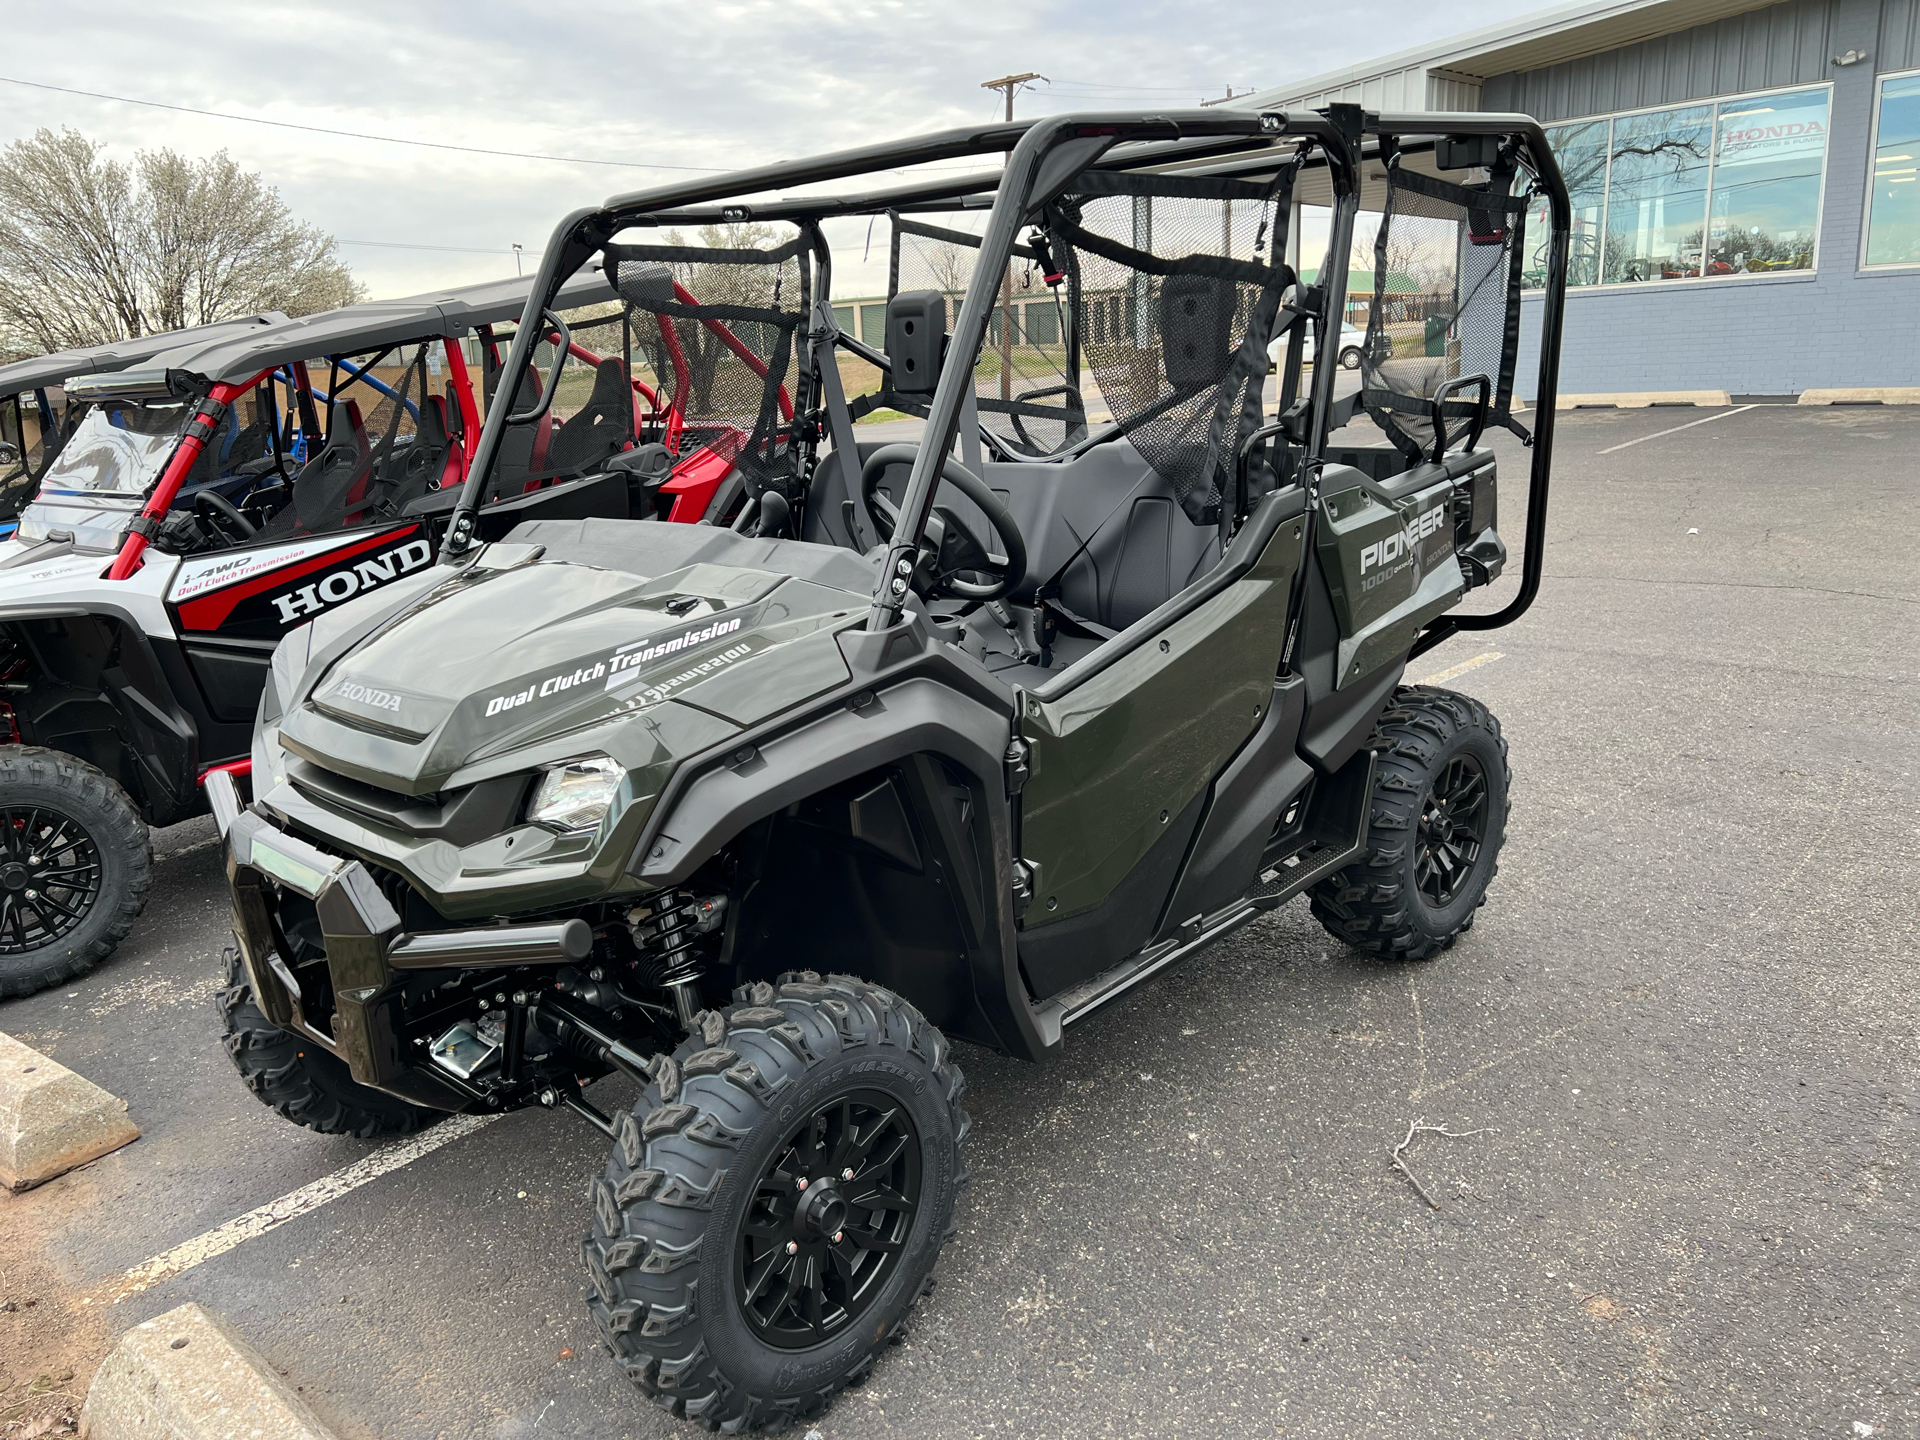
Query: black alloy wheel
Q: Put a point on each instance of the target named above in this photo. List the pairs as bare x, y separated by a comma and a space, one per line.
1453, 823
775, 1200
76, 862
828, 1220
49, 877
1436, 821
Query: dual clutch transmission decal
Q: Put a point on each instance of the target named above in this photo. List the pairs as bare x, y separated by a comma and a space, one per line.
619, 669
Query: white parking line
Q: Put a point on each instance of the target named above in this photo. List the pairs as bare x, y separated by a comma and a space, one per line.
1458, 670
275, 1213
1678, 428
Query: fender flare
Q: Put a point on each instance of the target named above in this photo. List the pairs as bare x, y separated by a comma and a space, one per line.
746, 782
149, 711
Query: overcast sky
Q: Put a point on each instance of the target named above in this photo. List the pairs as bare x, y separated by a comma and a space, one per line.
716, 84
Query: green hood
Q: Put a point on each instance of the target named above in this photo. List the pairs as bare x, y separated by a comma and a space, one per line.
497, 661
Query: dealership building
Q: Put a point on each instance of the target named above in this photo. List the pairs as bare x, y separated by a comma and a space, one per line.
1746, 215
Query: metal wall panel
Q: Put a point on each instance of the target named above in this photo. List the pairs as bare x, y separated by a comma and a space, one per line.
1899, 47
1392, 90
1787, 44
1450, 92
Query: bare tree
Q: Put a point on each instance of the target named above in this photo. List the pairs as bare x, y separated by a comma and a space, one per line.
92, 249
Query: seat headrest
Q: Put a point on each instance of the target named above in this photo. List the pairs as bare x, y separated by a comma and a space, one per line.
346, 428
433, 428
610, 387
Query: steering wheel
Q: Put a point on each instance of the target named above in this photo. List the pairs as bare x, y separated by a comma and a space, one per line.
957, 547
216, 513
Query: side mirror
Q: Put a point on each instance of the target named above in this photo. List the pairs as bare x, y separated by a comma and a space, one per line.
916, 334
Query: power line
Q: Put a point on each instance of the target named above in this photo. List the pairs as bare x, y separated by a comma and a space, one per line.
1127, 89
452, 249
422, 144
361, 134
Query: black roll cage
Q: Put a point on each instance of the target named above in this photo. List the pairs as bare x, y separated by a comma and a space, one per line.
1042, 157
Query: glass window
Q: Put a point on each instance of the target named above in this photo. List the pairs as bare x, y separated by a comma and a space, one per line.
1657, 195
1767, 157
1719, 189
1893, 216
1582, 153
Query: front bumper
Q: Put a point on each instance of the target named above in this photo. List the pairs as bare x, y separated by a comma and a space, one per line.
368, 957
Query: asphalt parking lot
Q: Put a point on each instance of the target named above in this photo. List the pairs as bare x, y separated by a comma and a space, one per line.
1679, 1047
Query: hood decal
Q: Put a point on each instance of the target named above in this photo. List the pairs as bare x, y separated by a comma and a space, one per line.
620, 668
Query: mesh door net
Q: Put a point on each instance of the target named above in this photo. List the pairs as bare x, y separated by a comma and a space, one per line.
717, 324
1445, 306
1026, 379
1174, 282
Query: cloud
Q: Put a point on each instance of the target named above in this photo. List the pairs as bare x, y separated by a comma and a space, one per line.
723, 85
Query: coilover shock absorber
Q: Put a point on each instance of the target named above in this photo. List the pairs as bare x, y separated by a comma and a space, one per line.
668, 933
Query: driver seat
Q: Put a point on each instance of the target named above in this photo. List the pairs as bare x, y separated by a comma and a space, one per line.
324, 484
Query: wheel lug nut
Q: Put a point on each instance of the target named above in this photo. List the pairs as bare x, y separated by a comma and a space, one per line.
847, 1174
793, 1247
803, 1182
838, 1235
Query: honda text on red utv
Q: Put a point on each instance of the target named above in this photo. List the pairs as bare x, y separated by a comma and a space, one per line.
958, 738
204, 496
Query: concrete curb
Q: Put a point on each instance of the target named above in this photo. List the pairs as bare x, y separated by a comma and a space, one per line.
1871, 395
185, 1376
1641, 399
52, 1119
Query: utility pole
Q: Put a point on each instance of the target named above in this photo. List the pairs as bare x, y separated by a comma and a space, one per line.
1009, 85
516, 259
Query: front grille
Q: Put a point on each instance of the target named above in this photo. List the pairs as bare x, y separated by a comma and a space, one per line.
459, 817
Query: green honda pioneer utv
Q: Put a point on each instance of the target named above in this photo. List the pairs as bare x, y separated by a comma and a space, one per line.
962, 738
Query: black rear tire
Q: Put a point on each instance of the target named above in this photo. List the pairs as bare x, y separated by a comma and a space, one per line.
1429, 858
76, 863
298, 1080
695, 1206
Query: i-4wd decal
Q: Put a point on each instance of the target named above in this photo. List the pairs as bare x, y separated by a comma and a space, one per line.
266, 592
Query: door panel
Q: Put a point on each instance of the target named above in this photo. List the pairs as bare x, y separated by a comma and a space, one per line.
1120, 756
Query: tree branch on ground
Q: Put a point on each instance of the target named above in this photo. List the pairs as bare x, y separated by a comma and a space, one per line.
1418, 1127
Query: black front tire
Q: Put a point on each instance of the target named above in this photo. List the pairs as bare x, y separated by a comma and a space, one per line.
1393, 902
298, 1080
683, 1209
54, 932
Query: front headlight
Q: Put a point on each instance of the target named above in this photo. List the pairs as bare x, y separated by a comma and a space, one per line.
575, 794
